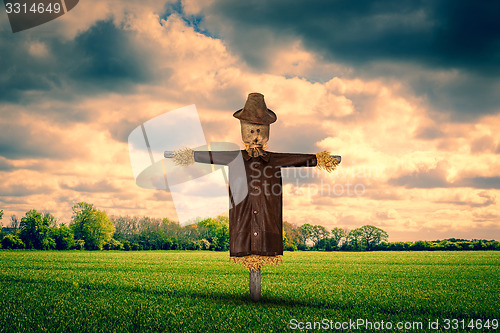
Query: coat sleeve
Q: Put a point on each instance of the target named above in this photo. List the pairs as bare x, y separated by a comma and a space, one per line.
294, 160
215, 157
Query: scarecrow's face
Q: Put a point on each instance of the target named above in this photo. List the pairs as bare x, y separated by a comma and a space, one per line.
254, 133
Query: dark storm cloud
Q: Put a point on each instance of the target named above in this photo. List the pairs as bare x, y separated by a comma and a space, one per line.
105, 55
446, 33
468, 94
20, 71
441, 35
6, 165
101, 59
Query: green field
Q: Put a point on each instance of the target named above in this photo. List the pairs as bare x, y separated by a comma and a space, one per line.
48, 291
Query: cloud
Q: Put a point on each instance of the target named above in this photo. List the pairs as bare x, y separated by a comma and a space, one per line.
481, 217
5, 164
102, 186
436, 177
383, 194
480, 182
21, 70
31, 139
106, 56
462, 94
429, 133
161, 196
482, 199
102, 58
303, 137
483, 144
442, 33
388, 214
24, 190
478, 231
422, 178
409, 41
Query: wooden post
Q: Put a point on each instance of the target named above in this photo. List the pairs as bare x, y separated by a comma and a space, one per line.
255, 285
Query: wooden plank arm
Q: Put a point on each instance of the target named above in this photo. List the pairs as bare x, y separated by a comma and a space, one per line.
170, 154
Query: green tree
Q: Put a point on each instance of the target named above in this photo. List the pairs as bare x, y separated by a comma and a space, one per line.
420, 245
14, 224
64, 238
372, 236
12, 242
91, 225
216, 231
355, 239
318, 233
223, 239
288, 244
337, 235
292, 236
305, 234
36, 230
113, 244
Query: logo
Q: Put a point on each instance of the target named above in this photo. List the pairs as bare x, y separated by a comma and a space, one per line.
199, 190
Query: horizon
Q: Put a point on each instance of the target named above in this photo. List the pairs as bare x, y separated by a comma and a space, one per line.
199, 219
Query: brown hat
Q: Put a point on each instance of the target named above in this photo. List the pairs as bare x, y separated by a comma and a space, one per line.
255, 111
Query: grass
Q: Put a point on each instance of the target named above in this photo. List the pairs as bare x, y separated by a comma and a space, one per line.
48, 291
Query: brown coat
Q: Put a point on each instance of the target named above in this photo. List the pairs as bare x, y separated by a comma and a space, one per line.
255, 223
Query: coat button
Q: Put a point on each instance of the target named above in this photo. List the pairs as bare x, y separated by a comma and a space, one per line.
255, 234
255, 211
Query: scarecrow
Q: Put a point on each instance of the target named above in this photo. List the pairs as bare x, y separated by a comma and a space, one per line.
255, 222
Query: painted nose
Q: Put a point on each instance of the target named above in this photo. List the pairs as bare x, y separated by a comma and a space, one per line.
255, 140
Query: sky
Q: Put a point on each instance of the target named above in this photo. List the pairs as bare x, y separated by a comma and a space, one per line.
405, 91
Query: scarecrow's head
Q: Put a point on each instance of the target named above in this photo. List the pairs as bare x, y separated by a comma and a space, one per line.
254, 134
255, 119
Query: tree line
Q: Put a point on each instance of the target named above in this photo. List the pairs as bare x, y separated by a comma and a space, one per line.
93, 229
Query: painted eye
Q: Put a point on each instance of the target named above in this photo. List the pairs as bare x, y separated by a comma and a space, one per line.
258, 130
251, 131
